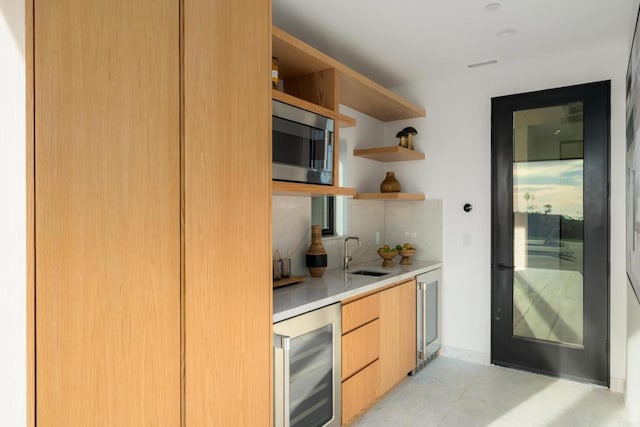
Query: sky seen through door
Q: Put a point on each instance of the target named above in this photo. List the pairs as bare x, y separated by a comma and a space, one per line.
549, 187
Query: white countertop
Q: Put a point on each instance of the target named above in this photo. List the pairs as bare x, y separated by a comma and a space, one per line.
336, 285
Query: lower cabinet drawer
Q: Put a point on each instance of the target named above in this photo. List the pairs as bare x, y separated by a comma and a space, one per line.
360, 347
360, 391
359, 312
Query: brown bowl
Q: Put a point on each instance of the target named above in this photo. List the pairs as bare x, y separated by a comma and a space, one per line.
388, 258
406, 255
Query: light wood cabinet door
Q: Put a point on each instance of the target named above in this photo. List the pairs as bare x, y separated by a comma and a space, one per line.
107, 212
397, 334
360, 391
227, 164
407, 328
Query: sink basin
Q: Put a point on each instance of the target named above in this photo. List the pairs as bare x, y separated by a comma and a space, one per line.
369, 273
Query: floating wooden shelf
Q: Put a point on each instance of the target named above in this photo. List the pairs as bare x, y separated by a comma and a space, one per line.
393, 153
343, 120
390, 196
298, 189
296, 58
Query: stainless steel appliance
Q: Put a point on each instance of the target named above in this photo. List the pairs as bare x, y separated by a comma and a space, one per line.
302, 145
307, 369
428, 317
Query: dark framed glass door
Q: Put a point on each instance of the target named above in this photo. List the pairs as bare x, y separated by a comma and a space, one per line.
550, 231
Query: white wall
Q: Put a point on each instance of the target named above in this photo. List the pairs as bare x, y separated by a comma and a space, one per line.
363, 174
633, 356
632, 396
456, 135
12, 216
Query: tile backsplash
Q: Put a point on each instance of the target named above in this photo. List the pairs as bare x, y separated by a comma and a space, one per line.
418, 223
397, 222
365, 218
292, 230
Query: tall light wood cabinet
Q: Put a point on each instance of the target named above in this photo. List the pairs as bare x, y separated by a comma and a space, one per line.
227, 88
107, 212
152, 213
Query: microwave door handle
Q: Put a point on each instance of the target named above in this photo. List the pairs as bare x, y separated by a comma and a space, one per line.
283, 411
328, 136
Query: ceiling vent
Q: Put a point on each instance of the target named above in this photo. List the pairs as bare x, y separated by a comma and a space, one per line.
482, 64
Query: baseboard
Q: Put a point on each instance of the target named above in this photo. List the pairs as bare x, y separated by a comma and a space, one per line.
617, 384
466, 355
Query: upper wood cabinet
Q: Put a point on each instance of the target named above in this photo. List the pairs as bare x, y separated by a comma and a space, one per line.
314, 76
316, 82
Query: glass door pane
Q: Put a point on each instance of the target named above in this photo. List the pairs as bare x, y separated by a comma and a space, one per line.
311, 378
548, 224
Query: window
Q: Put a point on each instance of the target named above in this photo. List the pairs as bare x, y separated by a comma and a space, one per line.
323, 212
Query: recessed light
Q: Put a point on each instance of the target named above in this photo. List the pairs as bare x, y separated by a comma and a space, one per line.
492, 7
506, 33
481, 64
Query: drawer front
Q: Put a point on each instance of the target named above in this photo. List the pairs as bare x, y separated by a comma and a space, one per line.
357, 313
360, 391
360, 347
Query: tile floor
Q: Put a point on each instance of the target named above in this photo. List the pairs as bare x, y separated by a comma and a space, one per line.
451, 392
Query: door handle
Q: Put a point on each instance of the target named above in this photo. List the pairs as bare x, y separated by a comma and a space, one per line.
282, 413
422, 353
502, 266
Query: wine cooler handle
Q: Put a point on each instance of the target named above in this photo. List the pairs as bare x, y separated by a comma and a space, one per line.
423, 289
283, 419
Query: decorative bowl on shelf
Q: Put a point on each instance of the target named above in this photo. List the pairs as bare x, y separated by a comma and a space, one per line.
388, 257
406, 255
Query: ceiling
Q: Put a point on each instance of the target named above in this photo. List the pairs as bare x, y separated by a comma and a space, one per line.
402, 41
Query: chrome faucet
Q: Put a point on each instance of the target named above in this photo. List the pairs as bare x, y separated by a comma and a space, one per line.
347, 258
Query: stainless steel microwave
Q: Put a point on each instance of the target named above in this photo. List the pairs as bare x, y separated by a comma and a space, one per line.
302, 145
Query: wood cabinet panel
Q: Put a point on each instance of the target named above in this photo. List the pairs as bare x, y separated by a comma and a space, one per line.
360, 347
360, 391
107, 212
389, 339
227, 223
342, 120
407, 328
320, 88
297, 58
305, 190
359, 312
397, 334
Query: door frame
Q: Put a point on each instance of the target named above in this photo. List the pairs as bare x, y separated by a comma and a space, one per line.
596, 97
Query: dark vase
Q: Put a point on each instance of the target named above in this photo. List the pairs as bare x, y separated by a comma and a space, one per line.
390, 184
316, 255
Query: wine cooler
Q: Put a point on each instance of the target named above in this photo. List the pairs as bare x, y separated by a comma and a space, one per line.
307, 374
